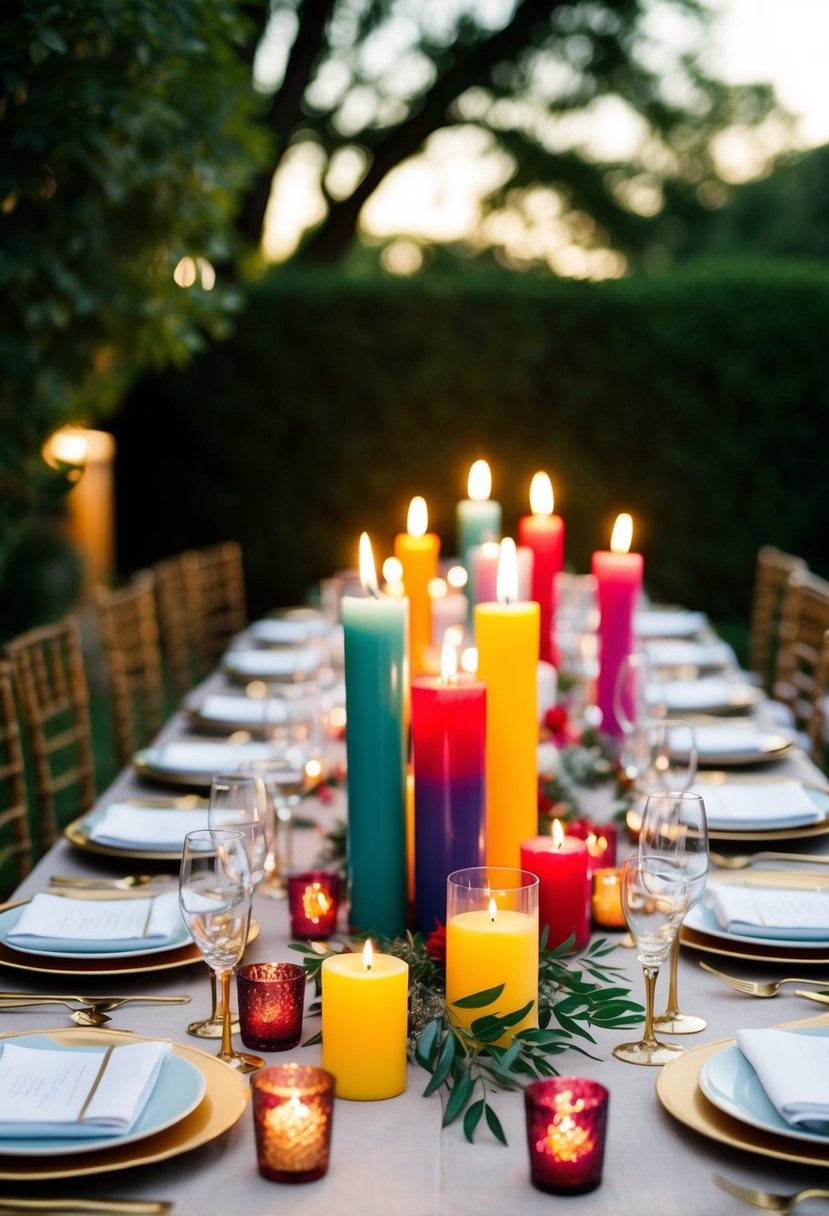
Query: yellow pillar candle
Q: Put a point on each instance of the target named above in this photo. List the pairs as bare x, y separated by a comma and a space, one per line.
417, 551
507, 637
365, 1009
492, 945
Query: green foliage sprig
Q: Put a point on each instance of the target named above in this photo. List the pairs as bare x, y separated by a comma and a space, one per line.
574, 994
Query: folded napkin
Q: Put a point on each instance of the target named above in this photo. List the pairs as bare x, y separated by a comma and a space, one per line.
726, 740
87, 924
770, 912
245, 711
668, 624
206, 757
667, 653
793, 1070
164, 830
273, 664
76, 1091
708, 693
752, 805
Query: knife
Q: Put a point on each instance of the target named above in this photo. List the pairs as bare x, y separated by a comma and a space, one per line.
822, 998
139, 1207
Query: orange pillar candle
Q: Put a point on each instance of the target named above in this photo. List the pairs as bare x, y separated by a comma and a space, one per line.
507, 640
365, 1004
543, 533
417, 551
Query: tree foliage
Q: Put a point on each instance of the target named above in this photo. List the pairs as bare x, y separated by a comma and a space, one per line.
126, 141
366, 84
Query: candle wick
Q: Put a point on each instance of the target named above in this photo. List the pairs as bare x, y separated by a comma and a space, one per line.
368, 966
373, 592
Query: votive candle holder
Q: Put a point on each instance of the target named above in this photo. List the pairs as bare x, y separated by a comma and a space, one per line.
293, 1107
606, 903
314, 904
566, 1130
271, 1000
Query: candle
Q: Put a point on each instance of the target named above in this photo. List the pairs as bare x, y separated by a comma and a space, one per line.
365, 1023
543, 533
376, 682
606, 904
507, 642
271, 999
417, 550
478, 517
449, 753
293, 1107
449, 609
619, 581
566, 1126
313, 901
560, 862
492, 939
600, 838
483, 572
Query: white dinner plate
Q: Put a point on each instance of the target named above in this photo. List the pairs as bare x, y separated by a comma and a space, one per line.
729, 1081
178, 1091
288, 631
61, 948
727, 744
710, 695
702, 919
196, 763
665, 652
668, 623
263, 664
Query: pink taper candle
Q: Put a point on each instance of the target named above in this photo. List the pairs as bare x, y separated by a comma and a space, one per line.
618, 575
543, 532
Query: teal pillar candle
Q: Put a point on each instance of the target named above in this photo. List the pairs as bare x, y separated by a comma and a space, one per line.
376, 696
478, 517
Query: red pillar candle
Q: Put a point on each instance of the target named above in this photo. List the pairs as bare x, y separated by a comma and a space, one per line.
449, 754
417, 550
618, 576
543, 532
561, 864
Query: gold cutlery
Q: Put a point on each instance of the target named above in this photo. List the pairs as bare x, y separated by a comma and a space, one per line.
81, 1016
822, 998
137, 1207
743, 862
762, 988
767, 1200
107, 884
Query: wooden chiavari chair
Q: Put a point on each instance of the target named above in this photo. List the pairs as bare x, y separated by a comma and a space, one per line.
223, 600
817, 728
803, 626
16, 853
178, 607
52, 692
772, 573
132, 656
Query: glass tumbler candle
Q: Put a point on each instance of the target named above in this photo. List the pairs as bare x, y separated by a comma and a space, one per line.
271, 997
293, 1106
566, 1125
314, 902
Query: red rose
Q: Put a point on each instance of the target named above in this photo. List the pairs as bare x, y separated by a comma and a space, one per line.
436, 943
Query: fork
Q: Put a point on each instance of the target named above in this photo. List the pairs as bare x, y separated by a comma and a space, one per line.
763, 988
743, 862
767, 1200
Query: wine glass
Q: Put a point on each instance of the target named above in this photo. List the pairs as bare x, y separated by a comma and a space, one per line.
215, 895
674, 826
654, 899
637, 694
240, 803
285, 780
659, 753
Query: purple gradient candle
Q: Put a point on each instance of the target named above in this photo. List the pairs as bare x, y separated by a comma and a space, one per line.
449, 757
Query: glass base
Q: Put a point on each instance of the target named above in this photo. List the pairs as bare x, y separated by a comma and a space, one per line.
273, 886
211, 1028
646, 1052
674, 1022
242, 1062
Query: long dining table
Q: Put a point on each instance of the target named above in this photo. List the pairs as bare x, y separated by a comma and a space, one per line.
394, 1156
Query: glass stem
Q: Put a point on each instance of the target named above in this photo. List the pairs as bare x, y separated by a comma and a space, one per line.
215, 1011
227, 1041
649, 1039
673, 1010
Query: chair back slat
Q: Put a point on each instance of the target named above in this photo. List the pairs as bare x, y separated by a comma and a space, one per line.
773, 570
803, 625
15, 831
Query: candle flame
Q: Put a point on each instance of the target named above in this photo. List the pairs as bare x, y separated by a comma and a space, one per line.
506, 583
368, 573
448, 660
541, 495
393, 570
622, 534
457, 577
418, 519
368, 955
469, 660
493, 908
437, 588
558, 834
479, 485
315, 903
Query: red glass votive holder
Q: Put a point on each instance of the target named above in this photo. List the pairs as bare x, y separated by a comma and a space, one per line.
566, 1125
271, 999
600, 838
314, 902
293, 1107
606, 904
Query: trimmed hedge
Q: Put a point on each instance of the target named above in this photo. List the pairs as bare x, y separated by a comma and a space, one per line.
698, 401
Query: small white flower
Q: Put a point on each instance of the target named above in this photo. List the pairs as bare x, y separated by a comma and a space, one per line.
549, 759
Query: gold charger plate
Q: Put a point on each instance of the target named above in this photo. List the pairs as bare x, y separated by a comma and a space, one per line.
223, 1104
677, 1088
805, 956
52, 964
